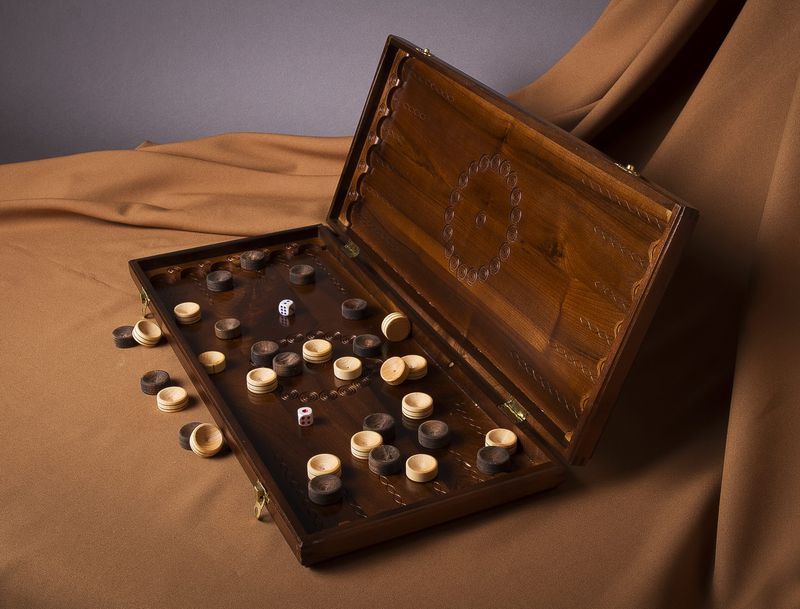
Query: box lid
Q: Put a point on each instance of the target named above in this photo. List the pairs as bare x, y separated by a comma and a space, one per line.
541, 259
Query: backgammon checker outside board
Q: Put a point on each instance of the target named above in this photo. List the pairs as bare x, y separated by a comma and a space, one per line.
528, 263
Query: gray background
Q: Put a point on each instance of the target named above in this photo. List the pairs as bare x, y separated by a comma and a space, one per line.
88, 75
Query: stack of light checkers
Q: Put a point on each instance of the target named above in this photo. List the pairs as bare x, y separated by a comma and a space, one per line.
417, 366
146, 333
422, 468
396, 327
417, 405
172, 399
394, 371
322, 464
347, 368
363, 442
262, 380
504, 438
317, 351
187, 313
206, 440
212, 361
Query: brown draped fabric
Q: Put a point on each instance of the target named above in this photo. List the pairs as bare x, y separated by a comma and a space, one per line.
693, 496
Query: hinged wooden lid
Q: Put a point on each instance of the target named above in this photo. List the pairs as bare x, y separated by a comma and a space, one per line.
539, 256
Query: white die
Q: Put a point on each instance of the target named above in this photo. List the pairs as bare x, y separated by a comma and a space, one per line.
305, 416
286, 307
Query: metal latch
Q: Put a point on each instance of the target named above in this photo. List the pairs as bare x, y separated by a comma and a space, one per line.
351, 249
262, 499
515, 409
145, 302
628, 169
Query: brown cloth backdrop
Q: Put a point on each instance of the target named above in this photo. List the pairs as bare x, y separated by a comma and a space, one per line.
693, 497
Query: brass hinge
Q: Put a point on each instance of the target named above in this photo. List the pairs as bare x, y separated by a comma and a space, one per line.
262, 499
628, 168
351, 249
515, 409
425, 51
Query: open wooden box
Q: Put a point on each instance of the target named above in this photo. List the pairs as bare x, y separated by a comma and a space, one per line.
529, 263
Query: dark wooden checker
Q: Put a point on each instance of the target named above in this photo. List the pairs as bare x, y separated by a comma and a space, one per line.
529, 265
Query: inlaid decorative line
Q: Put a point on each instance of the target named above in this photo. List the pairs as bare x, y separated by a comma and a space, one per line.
609, 293
390, 488
623, 203
357, 508
327, 394
437, 486
573, 361
331, 277
597, 331
336, 335
466, 465
544, 383
469, 420
638, 259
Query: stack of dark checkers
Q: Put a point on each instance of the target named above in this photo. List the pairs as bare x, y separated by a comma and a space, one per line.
367, 345
354, 308
287, 364
154, 381
301, 274
219, 281
493, 460
385, 460
262, 353
380, 422
228, 328
433, 434
123, 337
325, 489
253, 260
185, 433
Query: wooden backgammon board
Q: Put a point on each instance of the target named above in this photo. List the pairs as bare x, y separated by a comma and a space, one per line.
527, 264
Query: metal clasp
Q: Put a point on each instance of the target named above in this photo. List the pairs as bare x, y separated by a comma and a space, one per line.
262, 499
628, 169
515, 409
145, 302
426, 51
351, 249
